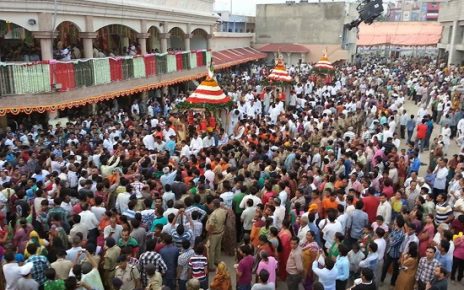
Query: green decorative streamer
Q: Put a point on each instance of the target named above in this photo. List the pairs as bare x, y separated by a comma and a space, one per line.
209, 107
139, 67
185, 60
171, 63
102, 71
161, 64
193, 60
83, 74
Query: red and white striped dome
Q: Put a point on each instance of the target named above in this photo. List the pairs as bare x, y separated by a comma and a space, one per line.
208, 92
279, 73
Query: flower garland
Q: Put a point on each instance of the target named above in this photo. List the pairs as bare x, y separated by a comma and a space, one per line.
209, 107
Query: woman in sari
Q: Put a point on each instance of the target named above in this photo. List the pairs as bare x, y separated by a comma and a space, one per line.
309, 252
258, 223
40, 243
285, 237
426, 235
408, 268
221, 280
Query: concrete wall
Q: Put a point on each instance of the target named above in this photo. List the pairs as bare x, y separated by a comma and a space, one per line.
450, 11
315, 23
225, 40
317, 26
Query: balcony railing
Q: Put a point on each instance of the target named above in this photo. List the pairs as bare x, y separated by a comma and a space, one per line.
59, 76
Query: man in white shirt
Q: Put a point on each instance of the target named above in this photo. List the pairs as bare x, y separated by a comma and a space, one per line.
185, 151
122, 200
227, 195
112, 230
252, 195
88, 218
441, 175
209, 175
196, 144
279, 213
381, 247
167, 133
384, 209
11, 271
168, 195
149, 142
329, 227
248, 216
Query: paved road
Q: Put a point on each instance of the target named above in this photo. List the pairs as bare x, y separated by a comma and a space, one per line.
453, 149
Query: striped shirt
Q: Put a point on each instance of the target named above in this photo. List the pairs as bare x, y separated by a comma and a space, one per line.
395, 239
442, 212
198, 264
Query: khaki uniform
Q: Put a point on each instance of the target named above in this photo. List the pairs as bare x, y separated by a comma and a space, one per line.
62, 268
215, 226
155, 282
109, 265
128, 276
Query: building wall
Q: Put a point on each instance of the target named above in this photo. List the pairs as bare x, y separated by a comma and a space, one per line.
312, 25
225, 40
451, 16
316, 23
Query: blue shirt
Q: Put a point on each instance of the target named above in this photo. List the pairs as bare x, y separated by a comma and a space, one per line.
171, 147
357, 220
415, 166
170, 254
315, 229
342, 264
395, 238
411, 124
445, 261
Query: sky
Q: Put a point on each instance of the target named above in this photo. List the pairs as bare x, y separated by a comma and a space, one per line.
248, 7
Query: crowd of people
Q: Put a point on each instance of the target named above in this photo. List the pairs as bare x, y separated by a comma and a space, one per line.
316, 186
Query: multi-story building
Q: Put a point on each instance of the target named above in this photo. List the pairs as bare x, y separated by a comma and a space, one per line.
181, 32
235, 23
451, 46
413, 10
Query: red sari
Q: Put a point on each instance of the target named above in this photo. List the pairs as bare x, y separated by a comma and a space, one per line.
425, 238
285, 237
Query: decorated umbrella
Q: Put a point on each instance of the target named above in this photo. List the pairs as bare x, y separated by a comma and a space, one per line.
323, 70
207, 96
279, 73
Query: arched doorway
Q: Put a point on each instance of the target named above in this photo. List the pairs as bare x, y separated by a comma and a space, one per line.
115, 39
199, 39
17, 43
67, 41
177, 39
154, 41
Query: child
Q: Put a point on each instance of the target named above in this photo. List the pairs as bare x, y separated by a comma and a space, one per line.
355, 256
52, 283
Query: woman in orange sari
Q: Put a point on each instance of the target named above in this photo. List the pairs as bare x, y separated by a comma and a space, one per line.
258, 223
285, 237
221, 280
309, 252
